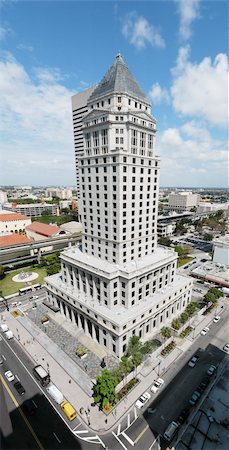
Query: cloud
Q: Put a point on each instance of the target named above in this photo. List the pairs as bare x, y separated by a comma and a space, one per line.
139, 32
158, 94
192, 157
36, 124
188, 11
201, 90
4, 30
25, 47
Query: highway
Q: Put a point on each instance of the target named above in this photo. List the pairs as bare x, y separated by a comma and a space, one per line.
43, 430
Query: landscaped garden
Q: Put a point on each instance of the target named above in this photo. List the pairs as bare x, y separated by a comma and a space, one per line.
8, 286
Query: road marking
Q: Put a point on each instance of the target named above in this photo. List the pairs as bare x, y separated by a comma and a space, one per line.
135, 413
82, 432
141, 434
35, 404
119, 429
120, 442
128, 421
58, 440
21, 412
17, 378
4, 357
77, 426
127, 438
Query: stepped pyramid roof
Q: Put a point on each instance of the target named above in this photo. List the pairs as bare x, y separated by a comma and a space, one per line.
118, 79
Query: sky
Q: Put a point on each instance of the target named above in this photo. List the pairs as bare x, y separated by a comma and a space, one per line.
177, 50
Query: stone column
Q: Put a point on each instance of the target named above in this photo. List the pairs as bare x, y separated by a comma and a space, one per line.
73, 317
62, 309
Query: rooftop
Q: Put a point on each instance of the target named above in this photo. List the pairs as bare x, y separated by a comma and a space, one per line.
13, 239
118, 79
43, 229
10, 217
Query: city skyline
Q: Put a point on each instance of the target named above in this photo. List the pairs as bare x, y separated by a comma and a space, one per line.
184, 76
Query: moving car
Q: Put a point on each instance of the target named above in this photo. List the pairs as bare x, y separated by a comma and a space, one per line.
205, 331
193, 361
211, 370
194, 398
18, 386
142, 400
216, 319
157, 384
226, 348
9, 375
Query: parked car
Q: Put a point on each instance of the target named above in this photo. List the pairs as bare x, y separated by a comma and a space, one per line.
18, 386
204, 383
193, 361
226, 348
194, 398
157, 384
211, 370
142, 400
183, 416
205, 331
29, 407
216, 319
9, 375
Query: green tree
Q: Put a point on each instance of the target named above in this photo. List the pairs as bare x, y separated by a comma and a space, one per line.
125, 366
45, 212
216, 292
2, 272
184, 317
104, 389
137, 360
180, 250
191, 308
53, 268
208, 237
164, 241
166, 332
176, 324
134, 345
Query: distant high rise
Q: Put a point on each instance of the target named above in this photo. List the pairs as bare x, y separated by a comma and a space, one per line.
79, 109
120, 283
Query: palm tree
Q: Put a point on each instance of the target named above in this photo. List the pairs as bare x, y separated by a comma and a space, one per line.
166, 332
125, 367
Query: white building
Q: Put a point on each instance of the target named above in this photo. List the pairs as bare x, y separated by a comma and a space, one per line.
221, 251
182, 201
79, 110
33, 209
211, 207
120, 283
165, 229
63, 194
13, 223
3, 197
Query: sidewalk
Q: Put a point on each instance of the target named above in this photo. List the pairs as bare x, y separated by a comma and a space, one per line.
76, 385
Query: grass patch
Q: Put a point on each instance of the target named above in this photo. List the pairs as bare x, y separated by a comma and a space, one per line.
8, 286
185, 332
58, 220
127, 388
169, 348
184, 260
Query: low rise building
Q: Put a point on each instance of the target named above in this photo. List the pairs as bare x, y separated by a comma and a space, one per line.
3, 197
11, 240
13, 223
211, 207
182, 201
38, 231
165, 229
72, 227
33, 209
221, 251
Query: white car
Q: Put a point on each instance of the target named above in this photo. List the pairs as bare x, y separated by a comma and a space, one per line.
226, 348
216, 319
9, 375
205, 331
142, 400
156, 385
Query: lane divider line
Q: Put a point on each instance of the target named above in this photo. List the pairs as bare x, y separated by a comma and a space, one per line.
21, 412
119, 440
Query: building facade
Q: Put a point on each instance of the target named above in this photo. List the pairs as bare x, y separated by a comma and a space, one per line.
13, 223
119, 283
33, 209
79, 110
182, 201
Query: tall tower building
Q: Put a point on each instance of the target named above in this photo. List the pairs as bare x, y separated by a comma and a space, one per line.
120, 283
79, 109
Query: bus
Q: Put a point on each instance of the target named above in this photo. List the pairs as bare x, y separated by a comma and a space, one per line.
26, 289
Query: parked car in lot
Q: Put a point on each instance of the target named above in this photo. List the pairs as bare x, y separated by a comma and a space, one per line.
205, 331
170, 431
226, 348
211, 370
194, 398
142, 400
216, 319
193, 361
157, 384
18, 386
9, 375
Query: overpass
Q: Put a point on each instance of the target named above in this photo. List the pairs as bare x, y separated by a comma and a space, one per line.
34, 250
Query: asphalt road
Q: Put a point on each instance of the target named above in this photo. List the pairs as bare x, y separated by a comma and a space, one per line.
182, 380
45, 429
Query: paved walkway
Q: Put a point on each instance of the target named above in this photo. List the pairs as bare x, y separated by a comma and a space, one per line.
76, 385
